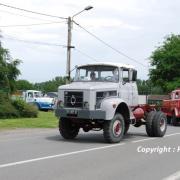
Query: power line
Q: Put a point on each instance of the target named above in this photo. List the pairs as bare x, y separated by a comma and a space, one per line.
84, 54
29, 11
116, 50
25, 25
33, 42
22, 15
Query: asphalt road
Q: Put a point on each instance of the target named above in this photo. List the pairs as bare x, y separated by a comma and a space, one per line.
42, 154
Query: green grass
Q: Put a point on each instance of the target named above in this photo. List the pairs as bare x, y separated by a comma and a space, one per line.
44, 120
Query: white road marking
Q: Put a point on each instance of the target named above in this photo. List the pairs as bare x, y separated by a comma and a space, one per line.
174, 176
76, 152
59, 155
141, 140
148, 139
168, 135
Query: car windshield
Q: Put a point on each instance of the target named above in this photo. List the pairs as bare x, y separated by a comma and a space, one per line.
97, 73
37, 94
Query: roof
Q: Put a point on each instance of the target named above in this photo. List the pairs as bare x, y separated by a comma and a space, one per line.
109, 64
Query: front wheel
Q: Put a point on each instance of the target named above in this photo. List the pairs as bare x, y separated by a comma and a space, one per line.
67, 129
114, 129
127, 125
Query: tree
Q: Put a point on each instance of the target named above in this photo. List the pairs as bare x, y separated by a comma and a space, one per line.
146, 87
24, 85
50, 86
165, 62
8, 71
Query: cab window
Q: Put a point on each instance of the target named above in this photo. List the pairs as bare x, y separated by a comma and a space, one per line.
125, 75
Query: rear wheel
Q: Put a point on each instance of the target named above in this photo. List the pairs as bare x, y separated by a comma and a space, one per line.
159, 124
67, 129
149, 123
156, 124
114, 129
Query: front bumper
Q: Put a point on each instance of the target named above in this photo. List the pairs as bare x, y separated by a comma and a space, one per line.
80, 113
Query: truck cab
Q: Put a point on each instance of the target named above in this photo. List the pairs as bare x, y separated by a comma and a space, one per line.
102, 96
171, 107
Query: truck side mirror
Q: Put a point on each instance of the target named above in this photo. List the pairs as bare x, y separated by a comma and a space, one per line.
134, 76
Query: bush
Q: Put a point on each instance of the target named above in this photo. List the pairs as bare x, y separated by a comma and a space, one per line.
16, 108
24, 109
7, 110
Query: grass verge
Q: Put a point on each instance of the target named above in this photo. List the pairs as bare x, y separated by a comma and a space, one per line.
44, 120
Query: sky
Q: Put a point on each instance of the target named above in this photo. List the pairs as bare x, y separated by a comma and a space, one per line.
134, 27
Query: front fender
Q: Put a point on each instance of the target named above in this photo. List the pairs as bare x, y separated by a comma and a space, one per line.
109, 105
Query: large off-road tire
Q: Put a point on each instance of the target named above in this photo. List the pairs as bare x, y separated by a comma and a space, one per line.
127, 125
149, 123
159, 124
156, 124
67, 129
114, 129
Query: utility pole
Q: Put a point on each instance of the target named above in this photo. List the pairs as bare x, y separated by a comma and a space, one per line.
69, 46
0, 41
68, 65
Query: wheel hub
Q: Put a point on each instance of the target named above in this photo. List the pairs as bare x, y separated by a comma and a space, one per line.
162, 124
117, 128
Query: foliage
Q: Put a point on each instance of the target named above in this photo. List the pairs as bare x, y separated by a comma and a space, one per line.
8, 75
47, 86
146, 87
24, 85
7, 110
165, 62
24, 109
16, 108
8, 71
50, 86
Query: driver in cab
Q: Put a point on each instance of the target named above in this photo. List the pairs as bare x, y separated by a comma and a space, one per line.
93, 76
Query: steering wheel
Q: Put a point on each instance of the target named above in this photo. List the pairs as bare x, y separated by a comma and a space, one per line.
108, 78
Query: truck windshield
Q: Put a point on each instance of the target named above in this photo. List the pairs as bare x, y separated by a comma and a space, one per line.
97, 73
37, 94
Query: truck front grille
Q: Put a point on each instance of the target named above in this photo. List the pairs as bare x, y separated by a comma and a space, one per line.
73, 99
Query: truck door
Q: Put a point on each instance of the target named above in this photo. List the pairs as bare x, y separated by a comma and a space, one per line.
125, 86
133, 78
29, 97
